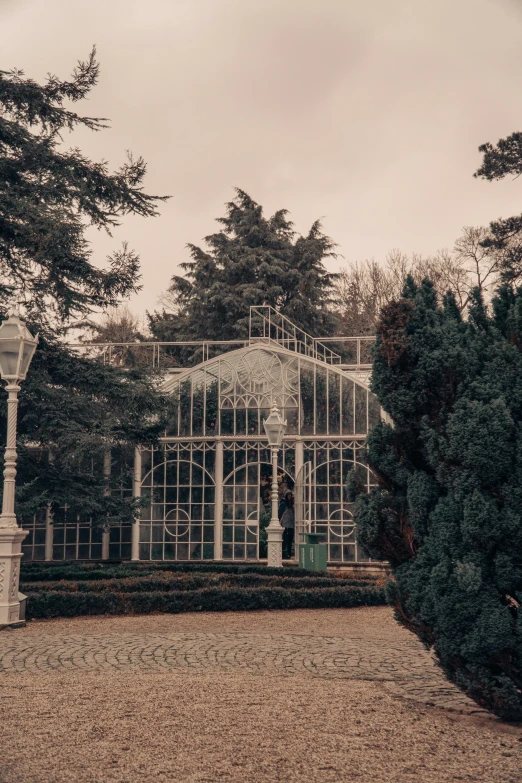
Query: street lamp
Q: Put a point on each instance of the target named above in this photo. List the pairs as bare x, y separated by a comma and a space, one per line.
275, 429
17, 347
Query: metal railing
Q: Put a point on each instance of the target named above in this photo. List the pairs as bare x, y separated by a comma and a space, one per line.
355, 352
158, 355
267, 325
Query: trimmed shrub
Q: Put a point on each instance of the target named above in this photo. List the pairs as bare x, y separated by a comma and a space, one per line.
60, 603
168, 582
40, 572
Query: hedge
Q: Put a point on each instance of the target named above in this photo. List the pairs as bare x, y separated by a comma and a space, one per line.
39, 572
184, 582
60, 603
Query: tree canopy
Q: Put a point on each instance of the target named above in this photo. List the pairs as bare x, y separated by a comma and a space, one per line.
253, 260
362, 289
447, 512
70, 406
505, 234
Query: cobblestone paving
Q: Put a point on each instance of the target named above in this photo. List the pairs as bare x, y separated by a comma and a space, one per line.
404, 668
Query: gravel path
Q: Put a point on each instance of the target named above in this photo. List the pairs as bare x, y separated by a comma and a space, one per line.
309, 695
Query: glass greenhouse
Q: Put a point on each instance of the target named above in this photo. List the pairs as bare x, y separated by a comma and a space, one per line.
206, 490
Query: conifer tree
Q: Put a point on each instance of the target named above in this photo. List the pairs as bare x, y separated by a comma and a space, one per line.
505, 234
253, 260
447, 511
70, 406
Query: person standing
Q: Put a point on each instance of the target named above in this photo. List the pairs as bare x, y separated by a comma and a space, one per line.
287, 520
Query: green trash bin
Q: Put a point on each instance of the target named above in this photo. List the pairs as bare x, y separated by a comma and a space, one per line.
312, 554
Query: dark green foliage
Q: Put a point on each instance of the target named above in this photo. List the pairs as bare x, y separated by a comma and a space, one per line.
78, 409
71, 406
48, 195
167, 582
253, 260
447, 513
505, 234
80, 571
75, 589
184, 593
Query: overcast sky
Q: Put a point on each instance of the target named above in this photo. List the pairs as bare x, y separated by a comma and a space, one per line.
367, 114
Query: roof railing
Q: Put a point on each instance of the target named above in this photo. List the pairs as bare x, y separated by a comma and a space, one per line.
268, 325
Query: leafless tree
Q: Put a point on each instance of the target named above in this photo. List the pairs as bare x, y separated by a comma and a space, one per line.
170, 301
117, 325
364, 287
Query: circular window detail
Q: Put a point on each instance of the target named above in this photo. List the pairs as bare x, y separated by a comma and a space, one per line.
260, 372
177, 523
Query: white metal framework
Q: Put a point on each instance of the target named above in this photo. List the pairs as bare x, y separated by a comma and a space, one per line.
206, 489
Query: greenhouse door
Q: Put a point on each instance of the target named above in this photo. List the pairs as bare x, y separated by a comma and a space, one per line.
241, 512
247, 509
303, 504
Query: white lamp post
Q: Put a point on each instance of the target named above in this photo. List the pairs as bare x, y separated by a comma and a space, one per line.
275, 430
17, 347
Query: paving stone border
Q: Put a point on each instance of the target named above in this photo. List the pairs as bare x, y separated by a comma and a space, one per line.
404, 668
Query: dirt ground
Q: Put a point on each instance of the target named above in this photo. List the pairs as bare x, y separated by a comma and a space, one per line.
139, 726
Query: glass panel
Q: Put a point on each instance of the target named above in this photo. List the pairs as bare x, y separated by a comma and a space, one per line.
241, 422
198, 408
334, 404
291, 415
253, 421
184, 407
335, 552
321, 412
348, 418
173, 422
361, 422
374, 411
227, 422
307, 399
171, 474
84, 552
212, 407
349, 553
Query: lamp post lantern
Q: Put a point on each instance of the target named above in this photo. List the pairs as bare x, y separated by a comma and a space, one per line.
17, 347
275, 429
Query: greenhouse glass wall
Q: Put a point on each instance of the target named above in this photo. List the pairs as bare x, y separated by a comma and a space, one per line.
206, 490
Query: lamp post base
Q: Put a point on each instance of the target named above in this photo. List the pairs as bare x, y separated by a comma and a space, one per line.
274, 534
10, 555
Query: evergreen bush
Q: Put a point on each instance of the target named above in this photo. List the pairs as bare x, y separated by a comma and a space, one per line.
447, 511
59, 603
79, 571
185, 582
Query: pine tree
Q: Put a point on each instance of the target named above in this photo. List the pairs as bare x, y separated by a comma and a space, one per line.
505, 234
447, 512
253, 260
70, 406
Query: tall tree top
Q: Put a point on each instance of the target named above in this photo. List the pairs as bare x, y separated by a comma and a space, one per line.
48, 196
498, 162
252, 260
